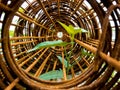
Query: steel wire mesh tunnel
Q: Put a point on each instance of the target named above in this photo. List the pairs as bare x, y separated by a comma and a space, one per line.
90, 62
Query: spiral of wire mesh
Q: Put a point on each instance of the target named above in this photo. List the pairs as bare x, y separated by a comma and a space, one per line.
94, 57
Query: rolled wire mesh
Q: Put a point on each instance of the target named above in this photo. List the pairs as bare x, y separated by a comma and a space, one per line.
26, 23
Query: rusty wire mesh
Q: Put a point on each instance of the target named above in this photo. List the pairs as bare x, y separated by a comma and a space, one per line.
25, 23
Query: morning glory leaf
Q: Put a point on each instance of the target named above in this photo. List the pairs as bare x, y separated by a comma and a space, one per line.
48, 44
54, 74
65, 61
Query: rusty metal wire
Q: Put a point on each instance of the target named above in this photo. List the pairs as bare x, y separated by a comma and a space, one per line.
25, 23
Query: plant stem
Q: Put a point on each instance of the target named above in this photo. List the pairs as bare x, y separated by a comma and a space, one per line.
68, 58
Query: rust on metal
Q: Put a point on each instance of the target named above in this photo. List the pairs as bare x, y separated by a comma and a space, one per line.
91, 63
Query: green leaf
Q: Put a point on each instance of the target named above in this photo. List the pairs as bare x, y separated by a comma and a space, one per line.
65, 61
77, 30
71, 29
48, 44
55, 74
84, 52
21, 10
83, 30
66, 28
